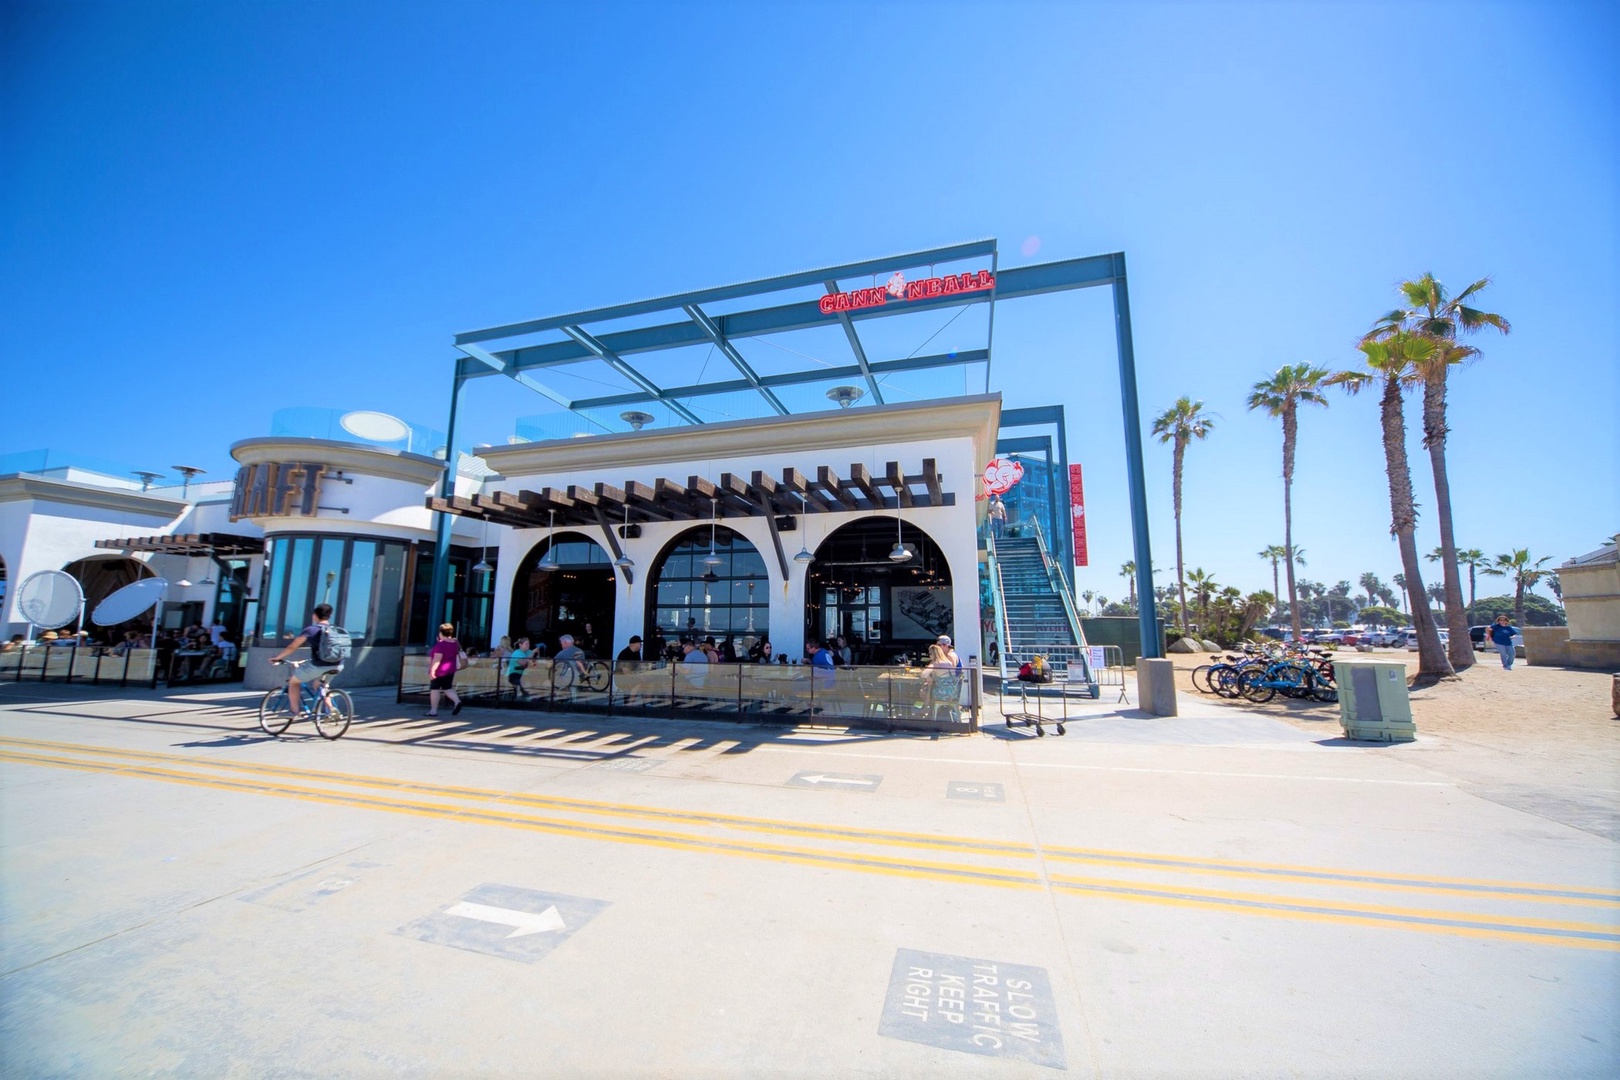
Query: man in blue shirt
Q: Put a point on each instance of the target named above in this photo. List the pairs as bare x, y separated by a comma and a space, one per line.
1502, 633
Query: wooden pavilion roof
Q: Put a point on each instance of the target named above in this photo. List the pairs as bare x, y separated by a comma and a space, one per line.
760, 494
188, 544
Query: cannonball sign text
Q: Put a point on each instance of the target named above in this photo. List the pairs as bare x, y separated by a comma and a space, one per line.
899, 289
274, 489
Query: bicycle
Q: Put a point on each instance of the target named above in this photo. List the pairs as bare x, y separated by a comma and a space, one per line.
331, 712
568, 676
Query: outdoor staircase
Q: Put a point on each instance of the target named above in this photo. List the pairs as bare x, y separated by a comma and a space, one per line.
1036, 613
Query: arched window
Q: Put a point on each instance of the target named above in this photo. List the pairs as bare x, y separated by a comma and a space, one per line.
730, 597
882, 608
577, 598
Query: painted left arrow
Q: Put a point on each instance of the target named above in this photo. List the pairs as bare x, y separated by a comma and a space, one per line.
527, 922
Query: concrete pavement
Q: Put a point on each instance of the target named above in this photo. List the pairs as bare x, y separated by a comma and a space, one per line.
1214, 894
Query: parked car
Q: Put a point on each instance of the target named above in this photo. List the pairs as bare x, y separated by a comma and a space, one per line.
1411, 639
1351, 636
1331, 637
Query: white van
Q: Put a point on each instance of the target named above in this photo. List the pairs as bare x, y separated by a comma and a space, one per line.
1411, 640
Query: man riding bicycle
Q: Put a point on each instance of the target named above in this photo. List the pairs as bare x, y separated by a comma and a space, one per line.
317, 668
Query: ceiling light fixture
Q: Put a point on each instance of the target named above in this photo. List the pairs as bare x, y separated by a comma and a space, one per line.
548, 561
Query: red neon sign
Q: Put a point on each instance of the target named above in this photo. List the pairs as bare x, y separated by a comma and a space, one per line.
899, 288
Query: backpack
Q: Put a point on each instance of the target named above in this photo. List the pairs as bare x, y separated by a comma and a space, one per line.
335, 645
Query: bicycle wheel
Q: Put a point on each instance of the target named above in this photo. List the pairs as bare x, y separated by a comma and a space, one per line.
274, 716
1325, 692
332, 715
1223, 680
596, 677
1252, 685
1200, 678
1297, 677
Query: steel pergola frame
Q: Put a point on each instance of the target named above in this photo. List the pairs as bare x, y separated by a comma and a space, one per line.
691, 323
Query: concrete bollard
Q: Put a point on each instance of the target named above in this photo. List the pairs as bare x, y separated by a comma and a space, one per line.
1156, 686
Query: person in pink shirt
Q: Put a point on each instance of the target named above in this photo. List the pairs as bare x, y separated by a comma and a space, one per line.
443, 661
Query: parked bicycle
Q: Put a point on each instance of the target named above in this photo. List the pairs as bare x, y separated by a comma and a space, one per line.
331, 710
582, 675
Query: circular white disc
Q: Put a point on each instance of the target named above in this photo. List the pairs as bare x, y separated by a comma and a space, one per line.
129, 601
50, 599
375, 426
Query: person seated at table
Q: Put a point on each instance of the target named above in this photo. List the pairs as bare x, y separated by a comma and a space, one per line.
695, 663
14, 644
762, 652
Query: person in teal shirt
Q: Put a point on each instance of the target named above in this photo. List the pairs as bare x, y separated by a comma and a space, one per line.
515, 666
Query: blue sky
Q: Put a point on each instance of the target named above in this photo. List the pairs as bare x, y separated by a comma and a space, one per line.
212, 211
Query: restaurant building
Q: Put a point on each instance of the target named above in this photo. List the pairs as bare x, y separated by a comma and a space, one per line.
785, 459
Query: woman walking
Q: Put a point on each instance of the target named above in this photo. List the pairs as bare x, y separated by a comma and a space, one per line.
444, 659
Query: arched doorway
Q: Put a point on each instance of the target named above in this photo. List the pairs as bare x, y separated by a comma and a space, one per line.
102, 575
691, 597
576, 598
882, 608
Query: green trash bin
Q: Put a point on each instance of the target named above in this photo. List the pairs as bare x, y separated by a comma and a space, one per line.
1373, 702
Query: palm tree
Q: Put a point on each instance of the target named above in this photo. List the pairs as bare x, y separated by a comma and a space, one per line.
1179, 425
1400, 583
1128, 572
1473, 558
1276, 553
1204, 588
1524, 571
1433, 314
1392, 361
1086, 596
1281, 396
1341, 591
1371, 586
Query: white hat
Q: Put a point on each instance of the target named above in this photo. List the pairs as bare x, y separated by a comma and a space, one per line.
944, 639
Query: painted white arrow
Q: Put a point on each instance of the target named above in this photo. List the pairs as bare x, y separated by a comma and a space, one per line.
818, 778
527, 922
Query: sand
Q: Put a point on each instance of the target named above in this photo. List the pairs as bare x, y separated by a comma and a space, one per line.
1548, 708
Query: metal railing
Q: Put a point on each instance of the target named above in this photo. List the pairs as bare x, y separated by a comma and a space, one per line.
36, 662
999, 601
892, 698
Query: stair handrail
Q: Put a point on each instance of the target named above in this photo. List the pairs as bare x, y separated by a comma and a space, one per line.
1061, 586
999, 599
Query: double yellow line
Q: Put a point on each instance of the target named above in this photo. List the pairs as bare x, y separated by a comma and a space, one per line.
999, 866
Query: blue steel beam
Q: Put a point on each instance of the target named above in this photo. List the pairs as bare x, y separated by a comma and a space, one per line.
601, 352
1147, 617
795, 378
760, 287
1010, 284
855, 346
479, 362
701, 317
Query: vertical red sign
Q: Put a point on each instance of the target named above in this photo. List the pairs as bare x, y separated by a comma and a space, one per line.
1077, 507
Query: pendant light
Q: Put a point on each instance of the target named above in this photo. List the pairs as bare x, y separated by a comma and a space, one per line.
548, 561
483, 566
624, 561
712, 560
803, 557
901, 553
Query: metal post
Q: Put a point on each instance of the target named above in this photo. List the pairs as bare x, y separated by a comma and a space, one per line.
1147, 621
438, 584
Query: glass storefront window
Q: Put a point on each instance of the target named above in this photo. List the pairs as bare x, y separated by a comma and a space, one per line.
692, 598
363, 580
390, 588
357, 598
295, 609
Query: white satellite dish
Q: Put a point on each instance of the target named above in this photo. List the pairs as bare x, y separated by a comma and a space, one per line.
50, 599
132, 600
